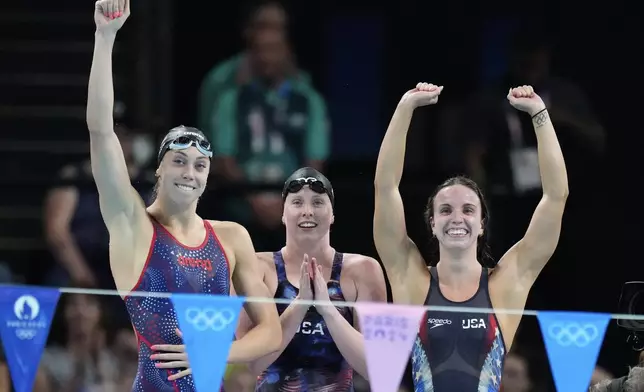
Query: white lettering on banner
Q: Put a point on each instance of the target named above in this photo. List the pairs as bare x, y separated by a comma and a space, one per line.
305, 328
473, 323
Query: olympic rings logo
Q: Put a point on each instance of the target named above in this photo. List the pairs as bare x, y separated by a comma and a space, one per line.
573, 334
26, 334
203, 319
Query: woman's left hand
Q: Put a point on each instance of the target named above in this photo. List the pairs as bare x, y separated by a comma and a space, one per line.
525, 99
321, 292
172, 356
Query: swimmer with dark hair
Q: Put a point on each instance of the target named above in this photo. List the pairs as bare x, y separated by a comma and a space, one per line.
464, 351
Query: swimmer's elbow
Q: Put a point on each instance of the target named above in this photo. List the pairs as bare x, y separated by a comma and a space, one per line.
274, 338
384, 183
268, 336
557, 196
274, 347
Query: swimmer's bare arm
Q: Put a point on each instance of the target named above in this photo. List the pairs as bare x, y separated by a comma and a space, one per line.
290, 320
264, 338
389, 228
389, 231
534, 250
370, 284
118, 199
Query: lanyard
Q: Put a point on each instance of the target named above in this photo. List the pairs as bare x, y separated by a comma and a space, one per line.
266, 119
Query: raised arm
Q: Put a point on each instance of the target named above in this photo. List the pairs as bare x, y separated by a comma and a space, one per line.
118, 199
389, 230
534, 250
265, 337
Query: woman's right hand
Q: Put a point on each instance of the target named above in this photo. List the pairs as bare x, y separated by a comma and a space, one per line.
110, 15
172, 356
306, 293
424, 94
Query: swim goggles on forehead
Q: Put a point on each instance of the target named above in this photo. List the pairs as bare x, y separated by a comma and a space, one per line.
186, 141
314, 184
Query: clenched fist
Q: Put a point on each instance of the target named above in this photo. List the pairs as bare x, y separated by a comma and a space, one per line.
424, 94
110, 15
525, 99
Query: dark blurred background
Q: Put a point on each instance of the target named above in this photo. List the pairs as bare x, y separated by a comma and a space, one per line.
336, 71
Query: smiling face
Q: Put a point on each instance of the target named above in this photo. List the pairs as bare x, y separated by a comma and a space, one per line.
183, 175
307, 214
457, 221
457, 217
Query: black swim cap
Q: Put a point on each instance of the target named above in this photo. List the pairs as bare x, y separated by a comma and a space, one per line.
311, 177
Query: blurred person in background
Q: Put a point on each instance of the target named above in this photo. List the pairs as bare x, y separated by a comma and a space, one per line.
632, 382
74, 228
516, 374
83, 361
239, 70
500, 145
263, 131
126, 350
600, 374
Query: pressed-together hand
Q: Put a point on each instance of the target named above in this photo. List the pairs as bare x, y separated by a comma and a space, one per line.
320, 288
424, 94
172, 356
525, 99
110, 15
306, 293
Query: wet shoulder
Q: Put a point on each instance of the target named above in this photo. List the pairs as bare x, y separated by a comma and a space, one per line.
357, 266
232, 237
230, 233
367, 276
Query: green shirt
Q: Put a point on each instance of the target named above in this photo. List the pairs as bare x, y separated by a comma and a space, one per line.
270, 133
220, 78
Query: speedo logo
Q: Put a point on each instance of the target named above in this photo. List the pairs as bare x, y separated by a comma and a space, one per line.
434, 322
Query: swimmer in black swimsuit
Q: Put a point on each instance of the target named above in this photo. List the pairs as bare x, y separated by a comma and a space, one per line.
464, 351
